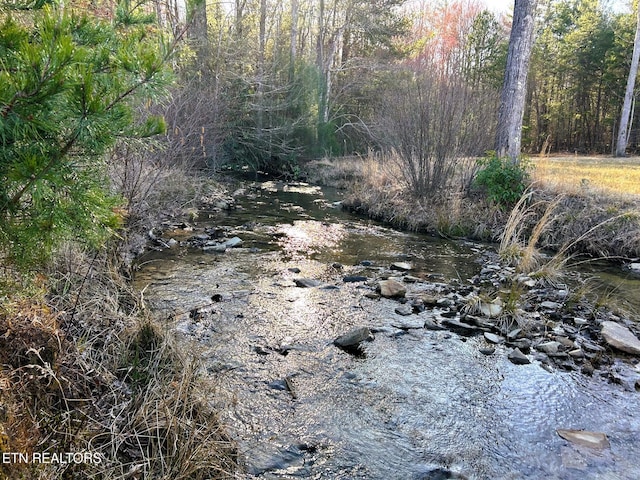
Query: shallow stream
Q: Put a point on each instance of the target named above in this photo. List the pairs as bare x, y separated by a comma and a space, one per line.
416, 404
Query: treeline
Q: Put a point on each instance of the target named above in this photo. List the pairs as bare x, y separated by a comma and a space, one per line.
269, 82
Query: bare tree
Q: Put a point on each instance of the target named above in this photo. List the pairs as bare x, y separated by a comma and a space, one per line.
431, 124
625, 125
514, 89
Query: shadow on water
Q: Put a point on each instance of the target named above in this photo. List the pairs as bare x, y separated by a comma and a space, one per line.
413, 404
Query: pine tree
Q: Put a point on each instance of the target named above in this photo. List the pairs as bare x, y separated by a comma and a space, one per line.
68, 87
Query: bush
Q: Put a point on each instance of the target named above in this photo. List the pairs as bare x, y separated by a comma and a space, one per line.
503, 180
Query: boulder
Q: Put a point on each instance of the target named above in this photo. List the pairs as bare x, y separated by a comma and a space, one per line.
585, 438
354, 337
392, 289
620, 337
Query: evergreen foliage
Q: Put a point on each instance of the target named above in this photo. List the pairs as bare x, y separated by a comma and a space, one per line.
503, 180
68, 86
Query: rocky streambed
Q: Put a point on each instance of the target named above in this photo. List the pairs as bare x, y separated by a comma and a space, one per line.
343, 349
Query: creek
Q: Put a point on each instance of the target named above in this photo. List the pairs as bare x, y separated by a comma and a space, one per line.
414, 403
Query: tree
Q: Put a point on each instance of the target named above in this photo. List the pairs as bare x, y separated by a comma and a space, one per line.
623, 131
512, 100
68, 87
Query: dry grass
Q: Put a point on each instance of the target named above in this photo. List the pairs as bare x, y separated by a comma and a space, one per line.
87, 370
588, 174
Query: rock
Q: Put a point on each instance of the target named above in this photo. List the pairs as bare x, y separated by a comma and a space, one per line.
402, 266
527, 281
487, 351
549, 348
413, 323
404, 310
566, 341
459, 327
440, 473
620, 337
588, 368
491, 310
493, 338
354, 279
372, 295
634, 267
391, 289
233, 242
513, 334
306, 282
517, 357
354, 337
585, 438
579, 322
548, 305
428, 300
411, 279
218, 248
294, 270
430, 324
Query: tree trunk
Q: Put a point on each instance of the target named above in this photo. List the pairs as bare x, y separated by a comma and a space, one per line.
294, 39
514, 89
623, 132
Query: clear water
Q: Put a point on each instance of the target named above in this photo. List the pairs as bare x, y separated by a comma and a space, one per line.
413, 403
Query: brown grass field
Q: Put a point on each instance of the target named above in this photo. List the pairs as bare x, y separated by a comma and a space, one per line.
575, 174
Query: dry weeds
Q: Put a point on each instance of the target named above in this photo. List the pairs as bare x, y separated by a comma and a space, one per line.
88, 370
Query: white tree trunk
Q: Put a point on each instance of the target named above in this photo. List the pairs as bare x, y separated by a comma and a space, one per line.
514, 89
625, 127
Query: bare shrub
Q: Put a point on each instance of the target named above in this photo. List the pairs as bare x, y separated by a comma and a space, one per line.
431, 124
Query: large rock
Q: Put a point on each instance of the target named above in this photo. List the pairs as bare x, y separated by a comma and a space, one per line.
620, 337
354, 337
392, 289
585, 438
